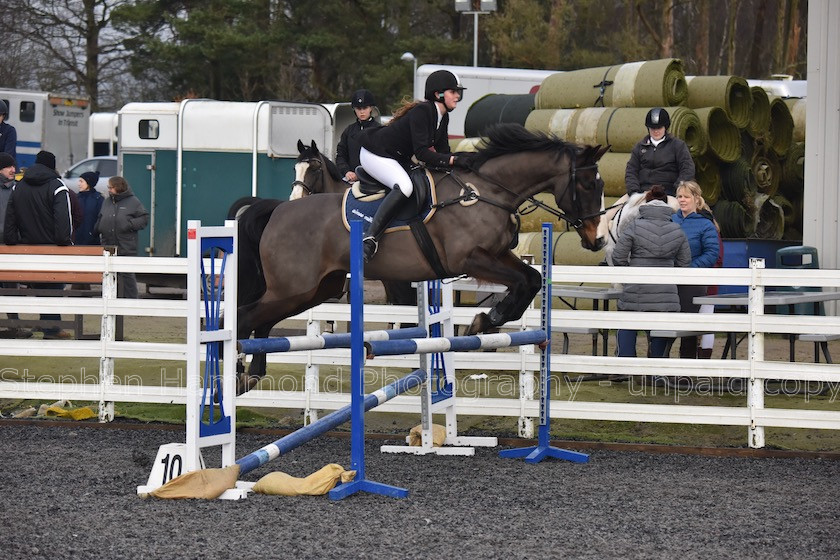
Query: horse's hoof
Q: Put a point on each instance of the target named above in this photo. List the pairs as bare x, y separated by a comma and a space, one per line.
480, 324
245, 383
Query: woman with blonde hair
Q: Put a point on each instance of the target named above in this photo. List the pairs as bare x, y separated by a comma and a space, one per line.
704, 242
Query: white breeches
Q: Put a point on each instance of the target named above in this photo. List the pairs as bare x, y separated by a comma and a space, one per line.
387, 171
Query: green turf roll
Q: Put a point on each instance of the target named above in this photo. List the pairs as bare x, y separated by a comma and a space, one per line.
652, 83
467, 144
734, 219
767, 171
707, 175
787, 209
792, 184
737, 180
781, 126
497, 108
796, 106
612, 167
568, 251
724, 137
759, 124
732, 93
769, 218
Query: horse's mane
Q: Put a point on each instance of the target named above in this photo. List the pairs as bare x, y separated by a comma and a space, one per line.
310, 153
508, 138
332, 168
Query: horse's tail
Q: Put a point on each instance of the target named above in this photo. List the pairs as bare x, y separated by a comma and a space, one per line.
250, 226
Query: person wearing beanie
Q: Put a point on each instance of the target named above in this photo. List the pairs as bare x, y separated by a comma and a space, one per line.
347, 151
39, 214
7, 183
91, 203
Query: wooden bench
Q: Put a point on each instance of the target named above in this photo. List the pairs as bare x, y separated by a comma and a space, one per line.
29, 277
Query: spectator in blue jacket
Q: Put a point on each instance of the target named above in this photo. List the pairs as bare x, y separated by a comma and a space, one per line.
91, 202
703, 240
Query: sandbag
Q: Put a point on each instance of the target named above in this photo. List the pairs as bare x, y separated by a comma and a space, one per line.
496, 108
415, 435
731, 93
316, 484
651, 83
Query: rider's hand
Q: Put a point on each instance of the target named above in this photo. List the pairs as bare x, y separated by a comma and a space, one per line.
462, 161
351, 177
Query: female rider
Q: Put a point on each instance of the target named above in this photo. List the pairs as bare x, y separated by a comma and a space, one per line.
419, 132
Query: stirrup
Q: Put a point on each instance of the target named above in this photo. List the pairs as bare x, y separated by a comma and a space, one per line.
367, 247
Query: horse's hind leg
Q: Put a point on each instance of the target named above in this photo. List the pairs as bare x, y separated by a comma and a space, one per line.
523, 283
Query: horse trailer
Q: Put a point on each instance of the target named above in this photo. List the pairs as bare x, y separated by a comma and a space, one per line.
192, 160
47, 121
103, 137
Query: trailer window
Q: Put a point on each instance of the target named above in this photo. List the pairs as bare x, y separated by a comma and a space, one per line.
149, 129
27, 111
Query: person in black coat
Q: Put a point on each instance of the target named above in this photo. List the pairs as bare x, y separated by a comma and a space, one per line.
91, 202
658, 158
347, 151
419, 130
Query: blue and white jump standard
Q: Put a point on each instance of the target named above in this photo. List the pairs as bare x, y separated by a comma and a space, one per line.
543, 448
435, 306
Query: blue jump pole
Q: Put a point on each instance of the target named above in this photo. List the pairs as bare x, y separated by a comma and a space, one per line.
357, 356
321, 341
327, 423
454, 343
543, 448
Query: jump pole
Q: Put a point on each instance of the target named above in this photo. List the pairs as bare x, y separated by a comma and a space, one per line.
543, 448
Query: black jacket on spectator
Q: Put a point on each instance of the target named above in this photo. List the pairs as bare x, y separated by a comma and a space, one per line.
347, 151
39, 210
666, 164
414, 134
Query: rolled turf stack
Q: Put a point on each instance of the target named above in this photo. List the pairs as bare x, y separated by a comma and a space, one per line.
743, 140
769, 218
651, 83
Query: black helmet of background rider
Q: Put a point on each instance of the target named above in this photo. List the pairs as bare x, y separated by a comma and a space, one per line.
657, 117
4, 110
439, 81
362, 98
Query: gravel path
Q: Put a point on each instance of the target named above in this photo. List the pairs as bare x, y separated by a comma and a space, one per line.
70, 493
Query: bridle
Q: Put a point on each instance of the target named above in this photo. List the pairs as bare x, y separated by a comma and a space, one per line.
577, 223
308, 161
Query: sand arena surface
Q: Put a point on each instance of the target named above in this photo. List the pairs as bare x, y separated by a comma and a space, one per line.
70, 492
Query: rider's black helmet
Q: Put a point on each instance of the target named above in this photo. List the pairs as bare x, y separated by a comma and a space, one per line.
362, 98
657, 117
4, 109
440, 81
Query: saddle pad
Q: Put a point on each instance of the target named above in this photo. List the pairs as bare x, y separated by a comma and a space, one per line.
364, 208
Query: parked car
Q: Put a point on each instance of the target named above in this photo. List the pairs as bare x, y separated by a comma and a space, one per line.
106, 165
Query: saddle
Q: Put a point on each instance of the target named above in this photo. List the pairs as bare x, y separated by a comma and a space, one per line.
363, 199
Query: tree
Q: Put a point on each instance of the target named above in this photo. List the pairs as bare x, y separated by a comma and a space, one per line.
66, 44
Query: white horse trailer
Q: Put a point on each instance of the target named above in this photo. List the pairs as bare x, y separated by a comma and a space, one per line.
192, 160
103, 137
47, 121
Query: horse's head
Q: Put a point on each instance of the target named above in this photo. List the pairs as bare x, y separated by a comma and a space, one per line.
313, 172
582, 198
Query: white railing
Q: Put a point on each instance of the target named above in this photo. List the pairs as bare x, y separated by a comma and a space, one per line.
518, 367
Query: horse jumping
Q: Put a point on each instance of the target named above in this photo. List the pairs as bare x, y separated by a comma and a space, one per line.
303, 249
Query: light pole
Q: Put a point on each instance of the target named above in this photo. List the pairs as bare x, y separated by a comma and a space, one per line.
409, 57
476, 8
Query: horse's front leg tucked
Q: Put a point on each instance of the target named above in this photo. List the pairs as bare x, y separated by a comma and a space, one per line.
523, 284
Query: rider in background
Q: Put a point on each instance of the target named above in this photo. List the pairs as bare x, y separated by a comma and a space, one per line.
419, 132
347, 151
658, 158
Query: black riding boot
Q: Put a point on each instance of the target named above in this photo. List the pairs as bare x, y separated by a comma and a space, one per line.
384, 214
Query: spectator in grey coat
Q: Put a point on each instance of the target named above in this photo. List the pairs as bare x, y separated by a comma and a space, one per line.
651, 240
121, 217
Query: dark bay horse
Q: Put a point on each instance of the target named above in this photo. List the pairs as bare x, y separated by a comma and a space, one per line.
304, 248
315, 173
